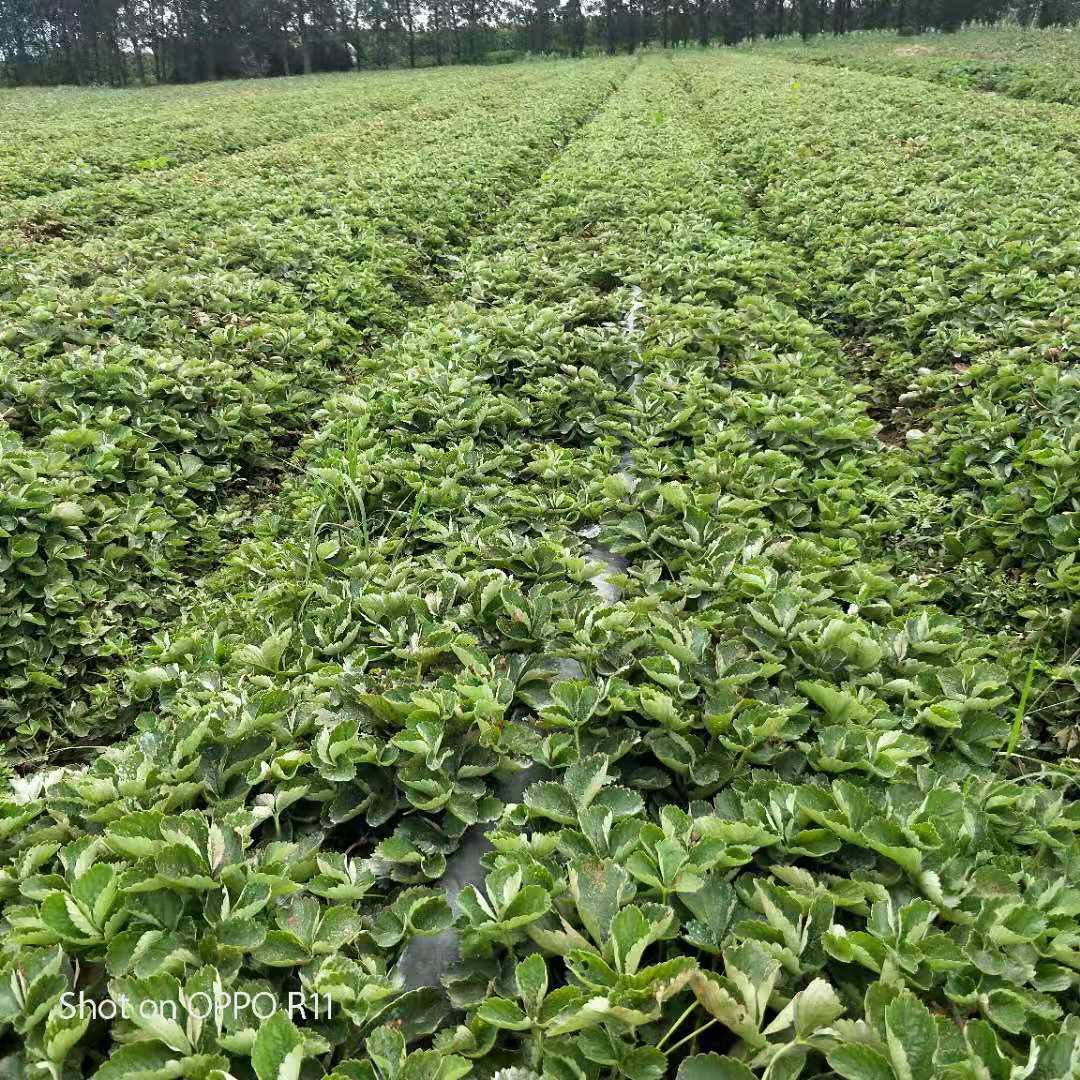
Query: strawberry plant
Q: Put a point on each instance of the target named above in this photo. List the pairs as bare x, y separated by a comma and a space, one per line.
575, 709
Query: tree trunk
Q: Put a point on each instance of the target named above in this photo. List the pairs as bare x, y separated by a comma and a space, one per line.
305, 42
436, 16
411, 30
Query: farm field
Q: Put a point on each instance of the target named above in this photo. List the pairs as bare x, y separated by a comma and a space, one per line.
569, 569
134, 134
1043, 65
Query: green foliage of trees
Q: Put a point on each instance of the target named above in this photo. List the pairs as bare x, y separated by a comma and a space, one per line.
117, 42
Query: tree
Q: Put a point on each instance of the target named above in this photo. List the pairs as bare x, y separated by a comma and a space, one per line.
114, 42
573, 27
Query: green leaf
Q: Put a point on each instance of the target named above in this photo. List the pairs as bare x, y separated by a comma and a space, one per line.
279, 1049
815, 1007
280, 949
912, 1038
644, 1063
531, 976
503, 1014
63, 1033
713, 1067
141, 1061
598, 887
552, 801
68, 513
154, 1006
386, 1048
858, 1062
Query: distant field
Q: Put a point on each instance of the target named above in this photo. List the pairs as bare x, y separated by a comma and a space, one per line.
577, 565
1043, 65
44, 143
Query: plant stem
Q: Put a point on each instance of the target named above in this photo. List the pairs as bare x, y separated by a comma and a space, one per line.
1021, 708
693, 1035
682, 1016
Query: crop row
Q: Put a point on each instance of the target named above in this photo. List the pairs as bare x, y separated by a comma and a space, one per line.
147, 216
572, 522
140, 403
937, 240
221, 213
1027, 64
131, 136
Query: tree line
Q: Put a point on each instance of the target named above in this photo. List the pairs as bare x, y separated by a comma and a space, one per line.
117, 42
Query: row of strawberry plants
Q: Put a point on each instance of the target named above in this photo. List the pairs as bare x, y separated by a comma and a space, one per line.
93, 143
358, 545
939, 260
835, 695
770, 759
1026, 64
788, 415
138, 408
128, 224
953, 281
26, 106
155, 214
